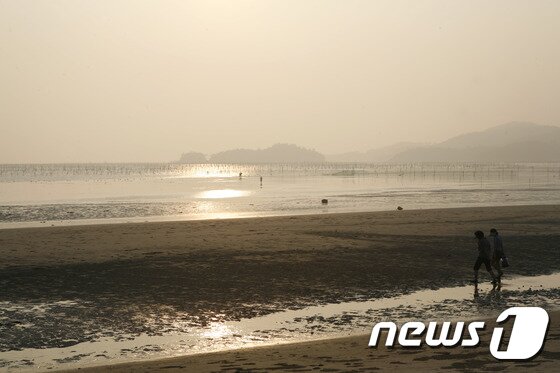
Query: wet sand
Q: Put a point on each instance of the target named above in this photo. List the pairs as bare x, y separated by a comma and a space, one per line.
128, 279
353, 354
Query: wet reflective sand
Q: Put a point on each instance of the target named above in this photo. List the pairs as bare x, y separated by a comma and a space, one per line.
310, 323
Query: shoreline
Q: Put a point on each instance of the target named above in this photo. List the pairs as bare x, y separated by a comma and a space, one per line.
351, 353
426, 303
225, 216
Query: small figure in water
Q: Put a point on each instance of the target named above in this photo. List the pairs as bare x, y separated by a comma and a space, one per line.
240, 175
484, 256
497, 252
261, 181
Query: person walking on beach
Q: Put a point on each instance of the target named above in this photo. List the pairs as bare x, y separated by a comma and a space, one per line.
484, 256
497, 252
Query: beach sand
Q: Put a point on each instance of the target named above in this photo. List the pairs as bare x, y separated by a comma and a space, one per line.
239, 268
353, 354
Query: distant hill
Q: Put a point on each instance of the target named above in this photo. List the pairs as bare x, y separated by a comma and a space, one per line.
505, 134
383, 154
193, 157
278, 153
510, 142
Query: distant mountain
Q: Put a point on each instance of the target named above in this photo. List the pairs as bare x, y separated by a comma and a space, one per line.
279, 153
505, 134
383, 154
193, 157
510, 142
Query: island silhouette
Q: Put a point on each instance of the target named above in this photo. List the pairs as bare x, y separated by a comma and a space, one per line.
278, 153
509, 143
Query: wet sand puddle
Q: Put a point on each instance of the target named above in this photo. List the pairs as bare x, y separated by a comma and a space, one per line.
316, 322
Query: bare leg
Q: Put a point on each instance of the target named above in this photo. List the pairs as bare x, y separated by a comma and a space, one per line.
496, 264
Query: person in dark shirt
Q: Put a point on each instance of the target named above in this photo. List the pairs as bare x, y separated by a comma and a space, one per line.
484, 256
497, 252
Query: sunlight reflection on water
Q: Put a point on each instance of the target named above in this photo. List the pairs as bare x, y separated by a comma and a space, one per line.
222, 193
217, 330
310, 323
43, 195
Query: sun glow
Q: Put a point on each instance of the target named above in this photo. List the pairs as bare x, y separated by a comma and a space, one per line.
217, 330
222, 193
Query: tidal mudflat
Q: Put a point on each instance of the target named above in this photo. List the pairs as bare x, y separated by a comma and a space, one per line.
139, 284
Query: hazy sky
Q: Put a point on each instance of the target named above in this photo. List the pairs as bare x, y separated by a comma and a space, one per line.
147, 80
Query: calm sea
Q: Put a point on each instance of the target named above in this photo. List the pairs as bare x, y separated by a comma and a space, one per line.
56, 194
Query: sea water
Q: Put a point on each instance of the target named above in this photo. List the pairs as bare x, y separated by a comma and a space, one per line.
57, 194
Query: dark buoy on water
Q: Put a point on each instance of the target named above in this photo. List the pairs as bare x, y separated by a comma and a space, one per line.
324, 201
399, 208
